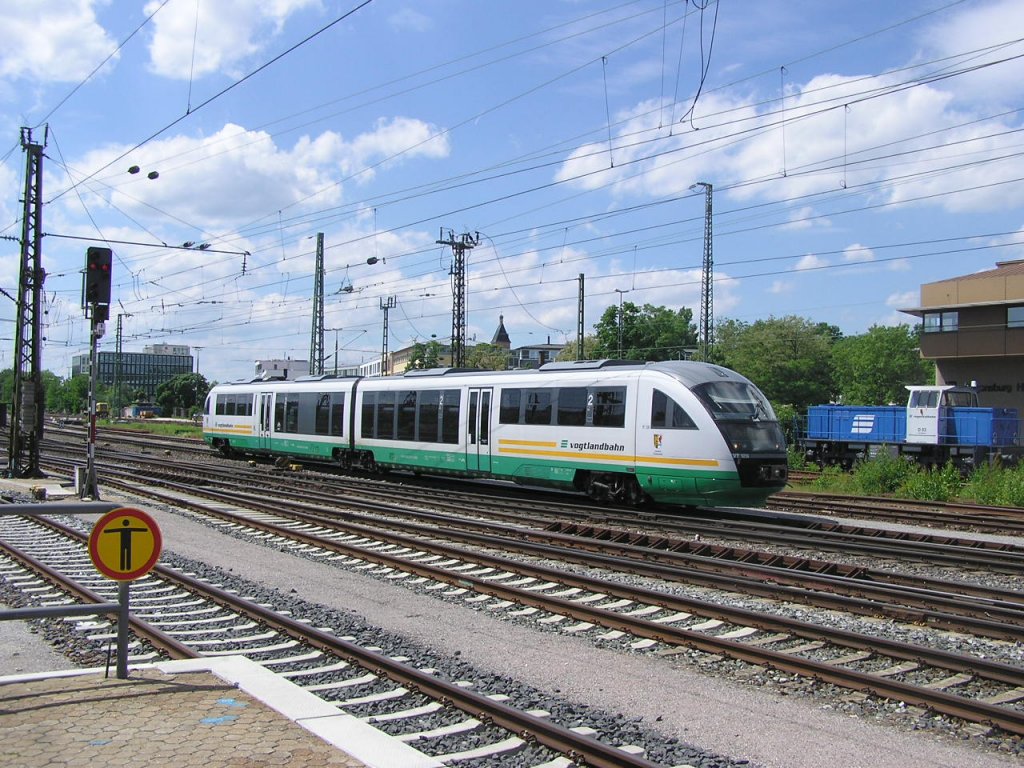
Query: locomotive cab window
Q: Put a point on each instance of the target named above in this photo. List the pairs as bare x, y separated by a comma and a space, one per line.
666, 413
924, 399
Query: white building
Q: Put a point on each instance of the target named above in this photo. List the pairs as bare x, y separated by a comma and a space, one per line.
281, 369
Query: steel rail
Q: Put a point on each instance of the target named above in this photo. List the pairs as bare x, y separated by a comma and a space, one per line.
174, 648
580, 748
939, 701
992, 618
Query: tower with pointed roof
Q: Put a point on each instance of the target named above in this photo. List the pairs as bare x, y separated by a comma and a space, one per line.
501, 338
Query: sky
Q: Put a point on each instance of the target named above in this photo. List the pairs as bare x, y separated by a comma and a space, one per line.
854, 150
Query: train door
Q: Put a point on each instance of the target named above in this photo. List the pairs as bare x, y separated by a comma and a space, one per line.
478, 442
265, 420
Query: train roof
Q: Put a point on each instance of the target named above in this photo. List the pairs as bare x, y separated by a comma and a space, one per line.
689, 373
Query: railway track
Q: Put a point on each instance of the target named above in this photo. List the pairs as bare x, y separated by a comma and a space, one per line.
640, 617
815, 534
181, 616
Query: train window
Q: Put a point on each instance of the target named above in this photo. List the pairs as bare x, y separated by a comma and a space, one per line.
924, 398
322, 422
291, 414
508, 413
386, 415
734, 401
369, 428
608, 407
279, 413
219, 407
572, 406
406, 415
666, 413
429, 412
450, 416
338, 413
538, 406
306, 418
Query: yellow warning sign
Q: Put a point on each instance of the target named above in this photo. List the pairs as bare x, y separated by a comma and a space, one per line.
125, 544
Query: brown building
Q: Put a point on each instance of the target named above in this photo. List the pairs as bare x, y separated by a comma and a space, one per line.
973, 329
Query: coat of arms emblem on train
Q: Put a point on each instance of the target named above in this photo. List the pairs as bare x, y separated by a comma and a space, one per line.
657, 441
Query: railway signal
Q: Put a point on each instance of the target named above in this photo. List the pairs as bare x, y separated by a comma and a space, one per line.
98, 264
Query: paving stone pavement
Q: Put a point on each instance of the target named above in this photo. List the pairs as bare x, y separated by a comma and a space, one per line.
151, 719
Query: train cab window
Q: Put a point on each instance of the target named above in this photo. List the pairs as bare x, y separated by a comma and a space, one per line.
666, 413
538, 406
572, 407
923, 398
450, 416
508, 412
607, 407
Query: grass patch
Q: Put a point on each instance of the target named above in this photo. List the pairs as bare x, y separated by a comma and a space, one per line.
165, 428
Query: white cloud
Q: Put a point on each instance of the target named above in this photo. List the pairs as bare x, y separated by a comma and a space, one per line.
902, 299
857, 253
51, 41
835, 128
970, 28
217, 182
225, 34
779, 287
810, 261
410, 19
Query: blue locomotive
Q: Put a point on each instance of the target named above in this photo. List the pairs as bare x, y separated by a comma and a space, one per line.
939, 424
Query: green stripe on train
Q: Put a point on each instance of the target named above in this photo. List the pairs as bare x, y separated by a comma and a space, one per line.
664, 484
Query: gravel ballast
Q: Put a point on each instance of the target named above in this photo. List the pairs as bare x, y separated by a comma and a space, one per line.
666, 695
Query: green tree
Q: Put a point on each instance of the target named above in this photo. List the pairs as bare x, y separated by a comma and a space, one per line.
788, 358
425, 355
7, 386
74, 395
186, 391
488, 357
874, 367
647, 332
590, 349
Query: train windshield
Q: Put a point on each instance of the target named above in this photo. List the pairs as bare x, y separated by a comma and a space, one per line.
744, 416
734, 401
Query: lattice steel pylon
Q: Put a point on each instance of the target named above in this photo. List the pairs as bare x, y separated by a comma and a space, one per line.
707, 279
29, 401
316, 342
459, 246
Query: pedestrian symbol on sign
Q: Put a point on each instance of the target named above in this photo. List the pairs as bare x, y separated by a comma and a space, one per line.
125, 544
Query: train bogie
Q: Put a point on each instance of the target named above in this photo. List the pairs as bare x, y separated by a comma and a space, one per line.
678, 433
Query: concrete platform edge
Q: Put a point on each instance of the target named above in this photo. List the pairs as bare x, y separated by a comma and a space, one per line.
364, 742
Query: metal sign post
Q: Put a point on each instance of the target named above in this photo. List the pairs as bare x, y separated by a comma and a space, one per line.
90, 487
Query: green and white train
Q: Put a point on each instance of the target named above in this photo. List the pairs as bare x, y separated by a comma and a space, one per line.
672, 432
